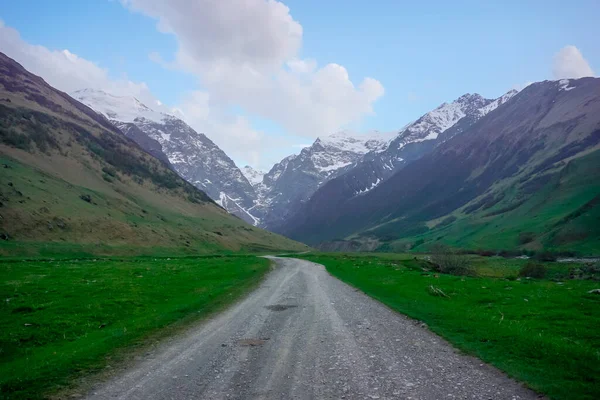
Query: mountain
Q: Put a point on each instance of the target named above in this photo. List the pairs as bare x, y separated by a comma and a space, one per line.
295, 178
411, 143
192, 155
522, 174
73, 183
255, 177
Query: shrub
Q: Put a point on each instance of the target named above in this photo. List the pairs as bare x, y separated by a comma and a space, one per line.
545, 256
450, 261
109, 171
526, 237
533, 270
509, 253
586, 271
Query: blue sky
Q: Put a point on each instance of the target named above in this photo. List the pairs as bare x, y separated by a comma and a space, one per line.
422, 53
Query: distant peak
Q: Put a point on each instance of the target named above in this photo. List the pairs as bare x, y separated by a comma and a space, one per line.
119, 108
469, 97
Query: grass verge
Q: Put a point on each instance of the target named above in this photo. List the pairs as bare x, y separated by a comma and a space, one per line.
541, 332
64, 319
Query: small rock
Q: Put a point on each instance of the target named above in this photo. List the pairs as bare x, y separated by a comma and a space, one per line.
86, 197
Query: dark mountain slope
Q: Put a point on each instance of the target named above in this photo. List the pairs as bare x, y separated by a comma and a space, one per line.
70, 182
412, 142
538, 130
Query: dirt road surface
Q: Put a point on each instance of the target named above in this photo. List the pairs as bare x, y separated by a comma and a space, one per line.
305, 335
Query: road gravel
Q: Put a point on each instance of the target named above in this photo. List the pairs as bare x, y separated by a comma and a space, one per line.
306, 335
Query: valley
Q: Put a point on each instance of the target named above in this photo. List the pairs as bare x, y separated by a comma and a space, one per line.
210, 200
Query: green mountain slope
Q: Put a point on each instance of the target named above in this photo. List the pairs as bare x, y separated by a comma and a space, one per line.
557, 211
71, 183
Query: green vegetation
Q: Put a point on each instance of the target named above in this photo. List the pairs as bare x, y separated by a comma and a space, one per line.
46, 216
553, 210
542, 332
63, 319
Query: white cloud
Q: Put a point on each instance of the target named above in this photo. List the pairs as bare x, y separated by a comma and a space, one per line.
245, 53
569, 63
65, 70
68, 72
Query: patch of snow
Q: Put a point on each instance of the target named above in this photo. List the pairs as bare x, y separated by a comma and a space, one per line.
176, 157
564, 85
255, 177
367, 189
498, 102
333, 167
165, 136
360, 143
119, 108
438, 120
224, 201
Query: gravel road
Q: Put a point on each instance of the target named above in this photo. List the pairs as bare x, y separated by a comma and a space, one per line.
305, 335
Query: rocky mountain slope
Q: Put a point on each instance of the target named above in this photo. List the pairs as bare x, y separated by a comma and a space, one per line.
191, 154
73, 183
482, 187
255, 177
295, 178
411, 143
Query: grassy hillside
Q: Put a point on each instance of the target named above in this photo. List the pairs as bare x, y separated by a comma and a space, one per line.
73, 184
542, 332
62, 320
556, 210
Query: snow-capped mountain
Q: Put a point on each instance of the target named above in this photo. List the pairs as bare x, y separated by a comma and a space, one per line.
191, 154
295, 178
539, 141
255, 177
419, 138
498, 102
370, 169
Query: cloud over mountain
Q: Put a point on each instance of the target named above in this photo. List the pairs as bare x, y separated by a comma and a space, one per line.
246, 53
570, 63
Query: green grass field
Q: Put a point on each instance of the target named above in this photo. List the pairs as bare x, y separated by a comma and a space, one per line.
64, 319
541, 332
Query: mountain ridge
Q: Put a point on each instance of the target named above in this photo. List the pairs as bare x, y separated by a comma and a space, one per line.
191, 154
487, 153
73, 183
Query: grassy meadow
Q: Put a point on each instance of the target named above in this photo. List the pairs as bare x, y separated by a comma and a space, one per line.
63, 319
543, 332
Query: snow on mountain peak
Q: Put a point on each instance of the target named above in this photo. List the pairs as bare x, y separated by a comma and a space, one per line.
360, 143
498, 102
255, 177
118, 108
430, 125
191, 154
